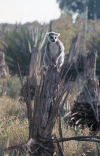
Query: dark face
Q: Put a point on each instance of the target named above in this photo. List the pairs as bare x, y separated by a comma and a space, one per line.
53, 38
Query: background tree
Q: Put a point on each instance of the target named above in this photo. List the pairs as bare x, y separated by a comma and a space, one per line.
78, 6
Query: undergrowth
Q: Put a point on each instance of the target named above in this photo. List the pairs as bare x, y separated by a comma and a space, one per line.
10, 87
76, 148
13, 122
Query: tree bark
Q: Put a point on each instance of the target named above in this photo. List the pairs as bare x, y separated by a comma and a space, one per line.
86, 108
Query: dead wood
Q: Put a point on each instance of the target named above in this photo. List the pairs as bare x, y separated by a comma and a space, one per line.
28, 103
51, 93
73, 49
27, 146
4, 72
86, 109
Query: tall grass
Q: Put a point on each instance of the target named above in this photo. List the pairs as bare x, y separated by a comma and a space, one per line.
77, 148
13, 122
10, 87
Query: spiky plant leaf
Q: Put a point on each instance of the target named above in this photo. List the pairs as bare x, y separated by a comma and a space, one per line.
18, 46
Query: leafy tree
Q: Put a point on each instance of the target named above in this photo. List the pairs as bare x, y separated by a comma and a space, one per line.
78, 6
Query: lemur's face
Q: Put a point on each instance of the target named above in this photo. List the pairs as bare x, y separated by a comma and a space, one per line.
53, 37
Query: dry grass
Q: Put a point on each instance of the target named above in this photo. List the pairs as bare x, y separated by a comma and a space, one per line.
13, 123
75, 148
14, 127
10, 86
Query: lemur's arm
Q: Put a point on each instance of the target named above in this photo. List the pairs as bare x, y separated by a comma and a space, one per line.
61, 50
47, 52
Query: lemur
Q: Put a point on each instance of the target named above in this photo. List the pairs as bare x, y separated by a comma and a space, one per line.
54, 51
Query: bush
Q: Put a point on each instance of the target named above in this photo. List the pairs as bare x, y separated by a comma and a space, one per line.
18, 46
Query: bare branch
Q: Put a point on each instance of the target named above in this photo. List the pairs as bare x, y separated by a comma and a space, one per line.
78, 138
13, 147
30, 110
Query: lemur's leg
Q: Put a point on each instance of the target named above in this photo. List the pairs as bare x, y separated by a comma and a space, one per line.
46, 63
60, 61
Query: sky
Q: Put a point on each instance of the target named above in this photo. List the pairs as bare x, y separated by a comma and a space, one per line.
22, 11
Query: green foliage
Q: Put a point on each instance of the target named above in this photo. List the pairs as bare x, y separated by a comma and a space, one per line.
78, 6
10, 87
18, 46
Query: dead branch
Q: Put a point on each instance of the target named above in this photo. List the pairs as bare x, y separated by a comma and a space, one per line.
79, 138
87, 105
73, 49
28, 103
31, 142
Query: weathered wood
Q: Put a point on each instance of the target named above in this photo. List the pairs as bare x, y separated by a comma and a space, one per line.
84, 31
88, 103
49, 95
34, 63
46, 102
91, 65
50, 26
73, 49
60, 129
28, 103
4, 72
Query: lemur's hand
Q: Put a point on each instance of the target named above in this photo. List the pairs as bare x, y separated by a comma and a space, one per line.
55, 65
54, 62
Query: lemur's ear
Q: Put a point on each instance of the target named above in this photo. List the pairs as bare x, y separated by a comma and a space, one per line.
58, 34
53, 33
47, 33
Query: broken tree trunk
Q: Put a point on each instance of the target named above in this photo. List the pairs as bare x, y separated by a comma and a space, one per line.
34, 70
86, 109
50, 94
73, 49
4, 72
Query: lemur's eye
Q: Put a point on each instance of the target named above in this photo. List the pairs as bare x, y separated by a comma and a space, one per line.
51, 37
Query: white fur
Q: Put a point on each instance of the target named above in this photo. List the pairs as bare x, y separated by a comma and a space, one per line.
53, 51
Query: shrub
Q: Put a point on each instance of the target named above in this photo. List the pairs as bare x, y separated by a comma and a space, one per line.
18, 46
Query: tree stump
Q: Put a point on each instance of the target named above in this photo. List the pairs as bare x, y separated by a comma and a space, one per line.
86, 109
49, 95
